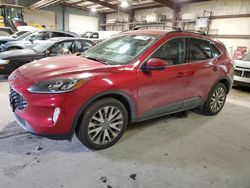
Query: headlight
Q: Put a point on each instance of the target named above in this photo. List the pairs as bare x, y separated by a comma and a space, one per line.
57, 86
3, 62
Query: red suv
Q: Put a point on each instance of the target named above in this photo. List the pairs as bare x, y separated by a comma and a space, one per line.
134, 76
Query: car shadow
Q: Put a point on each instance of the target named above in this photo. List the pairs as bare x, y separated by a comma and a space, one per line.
242, 88
13, 139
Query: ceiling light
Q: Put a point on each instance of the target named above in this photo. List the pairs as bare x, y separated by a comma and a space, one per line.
93, 9
124, 4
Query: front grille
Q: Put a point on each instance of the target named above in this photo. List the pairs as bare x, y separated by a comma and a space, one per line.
242, 73
237, 73
242, 67
16, 100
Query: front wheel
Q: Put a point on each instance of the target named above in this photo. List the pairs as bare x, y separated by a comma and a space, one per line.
103, 123
215, 100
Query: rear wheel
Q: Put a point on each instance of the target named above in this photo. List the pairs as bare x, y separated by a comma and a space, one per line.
215, 100
103, 123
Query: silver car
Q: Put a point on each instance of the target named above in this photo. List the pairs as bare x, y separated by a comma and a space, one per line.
34, 39
242, 71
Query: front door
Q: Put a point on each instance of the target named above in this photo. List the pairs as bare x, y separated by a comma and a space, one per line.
162, 91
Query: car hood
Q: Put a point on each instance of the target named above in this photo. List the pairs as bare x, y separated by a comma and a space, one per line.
13, 54
3, 38
17, 42
65, 66
241, 64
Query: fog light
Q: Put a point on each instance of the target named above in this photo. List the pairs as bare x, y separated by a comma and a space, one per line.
56, 114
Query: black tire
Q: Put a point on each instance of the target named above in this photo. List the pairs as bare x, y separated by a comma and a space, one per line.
207, 108
89, 123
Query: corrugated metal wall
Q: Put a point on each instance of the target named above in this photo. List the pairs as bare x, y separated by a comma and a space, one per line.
59, 12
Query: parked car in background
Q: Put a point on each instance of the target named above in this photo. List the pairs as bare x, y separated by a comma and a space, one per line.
98, 36
11, 60
4, 39
34, 39
18, 33
242, 71
6, 31
131, 77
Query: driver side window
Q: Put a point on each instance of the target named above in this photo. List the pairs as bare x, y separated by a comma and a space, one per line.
173, 51
62, 48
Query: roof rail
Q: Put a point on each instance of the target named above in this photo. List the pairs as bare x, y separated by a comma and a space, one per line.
171, 27
164, 27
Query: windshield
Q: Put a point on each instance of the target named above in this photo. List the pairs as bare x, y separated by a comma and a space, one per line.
121, 49
246, 57
43, 46
24, 35
87, 34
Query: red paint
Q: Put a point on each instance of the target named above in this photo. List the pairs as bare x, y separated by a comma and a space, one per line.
147, 90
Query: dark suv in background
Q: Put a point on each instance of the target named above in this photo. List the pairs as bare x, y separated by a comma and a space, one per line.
134, 76
9, 61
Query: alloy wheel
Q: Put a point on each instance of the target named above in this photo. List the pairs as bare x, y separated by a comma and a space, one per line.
105, 125
218, 99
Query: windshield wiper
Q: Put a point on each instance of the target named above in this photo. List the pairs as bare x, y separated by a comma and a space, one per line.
96, 59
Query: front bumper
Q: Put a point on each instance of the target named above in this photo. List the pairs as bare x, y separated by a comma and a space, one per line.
26, 126
37, 115
242, 80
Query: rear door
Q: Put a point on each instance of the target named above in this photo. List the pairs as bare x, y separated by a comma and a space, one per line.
161, 92
202, 70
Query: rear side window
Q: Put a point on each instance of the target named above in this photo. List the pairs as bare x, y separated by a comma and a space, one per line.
202, 50
57, 34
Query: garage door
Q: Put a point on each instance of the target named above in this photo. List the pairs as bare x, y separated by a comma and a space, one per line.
80, 24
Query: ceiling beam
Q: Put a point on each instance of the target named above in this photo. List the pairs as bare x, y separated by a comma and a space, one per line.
79, 7
167, 3
77, 2
43, 3
111, 6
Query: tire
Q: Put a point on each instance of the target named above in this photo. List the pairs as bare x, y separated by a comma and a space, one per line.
95, 129
215, 100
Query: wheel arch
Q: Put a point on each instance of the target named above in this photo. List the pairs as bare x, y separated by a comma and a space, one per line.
14, 47
119, 95
225, 80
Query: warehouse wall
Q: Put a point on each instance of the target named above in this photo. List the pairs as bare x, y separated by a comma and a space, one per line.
59, 11
61, 22
140, 15
233, 26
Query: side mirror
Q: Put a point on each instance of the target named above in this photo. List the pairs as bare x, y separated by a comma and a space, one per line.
154, 64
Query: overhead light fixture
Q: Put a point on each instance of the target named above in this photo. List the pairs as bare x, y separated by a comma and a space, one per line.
124, 4
93, 9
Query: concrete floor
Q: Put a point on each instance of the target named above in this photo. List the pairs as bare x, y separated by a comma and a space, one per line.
183, 150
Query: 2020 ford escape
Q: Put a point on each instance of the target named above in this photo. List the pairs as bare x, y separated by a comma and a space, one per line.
134, 76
